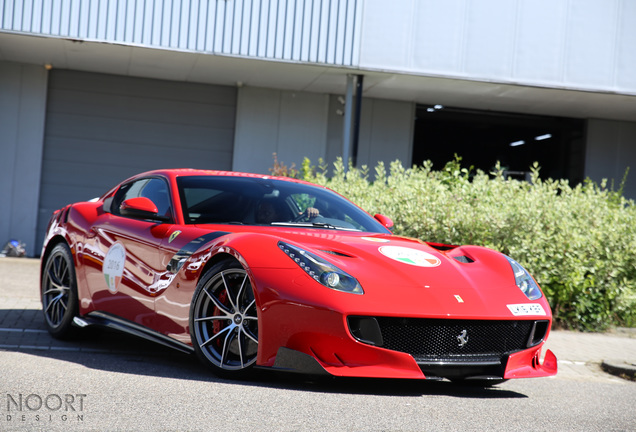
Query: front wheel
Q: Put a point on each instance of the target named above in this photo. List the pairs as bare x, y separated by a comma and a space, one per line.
59, 293
224, 320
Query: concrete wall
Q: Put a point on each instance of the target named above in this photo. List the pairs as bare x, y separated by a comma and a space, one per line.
295, 125
611, 149
291, 124
22, 114
386, 132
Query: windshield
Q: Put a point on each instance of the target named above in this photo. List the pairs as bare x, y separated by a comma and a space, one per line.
262, 201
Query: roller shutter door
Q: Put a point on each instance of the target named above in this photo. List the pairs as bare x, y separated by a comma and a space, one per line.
101, 129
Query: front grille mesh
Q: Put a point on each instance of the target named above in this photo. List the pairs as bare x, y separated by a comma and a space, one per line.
437, 340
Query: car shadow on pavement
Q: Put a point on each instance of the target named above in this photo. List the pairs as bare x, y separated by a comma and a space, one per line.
386, 387
103, 349
97, 348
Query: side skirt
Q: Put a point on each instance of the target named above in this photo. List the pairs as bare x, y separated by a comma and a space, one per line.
102, 319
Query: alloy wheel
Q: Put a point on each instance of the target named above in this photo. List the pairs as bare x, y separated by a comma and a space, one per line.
225, 321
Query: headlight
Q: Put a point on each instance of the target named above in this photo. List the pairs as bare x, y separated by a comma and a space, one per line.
321, 270
524, 281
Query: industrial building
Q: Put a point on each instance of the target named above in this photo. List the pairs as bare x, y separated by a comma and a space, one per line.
93, 91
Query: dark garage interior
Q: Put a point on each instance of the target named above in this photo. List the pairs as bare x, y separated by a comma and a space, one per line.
481, 138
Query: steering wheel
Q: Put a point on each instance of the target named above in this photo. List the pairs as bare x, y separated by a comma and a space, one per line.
303, 217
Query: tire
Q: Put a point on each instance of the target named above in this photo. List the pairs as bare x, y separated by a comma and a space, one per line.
224, 320
59, 293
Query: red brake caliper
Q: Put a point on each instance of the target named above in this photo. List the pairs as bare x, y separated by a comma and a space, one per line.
219, 325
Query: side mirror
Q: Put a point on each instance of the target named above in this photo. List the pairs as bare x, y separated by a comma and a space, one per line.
141, 208
384, 220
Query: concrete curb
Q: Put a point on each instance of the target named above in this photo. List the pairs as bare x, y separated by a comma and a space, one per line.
620, 368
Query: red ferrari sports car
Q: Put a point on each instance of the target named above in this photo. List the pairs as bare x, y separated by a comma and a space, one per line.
253, 271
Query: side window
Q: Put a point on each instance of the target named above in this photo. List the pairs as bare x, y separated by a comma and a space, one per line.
154, 189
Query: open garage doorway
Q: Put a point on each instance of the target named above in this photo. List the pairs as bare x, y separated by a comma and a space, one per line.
481, 138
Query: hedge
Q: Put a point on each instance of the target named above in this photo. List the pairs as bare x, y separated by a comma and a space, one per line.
579, 241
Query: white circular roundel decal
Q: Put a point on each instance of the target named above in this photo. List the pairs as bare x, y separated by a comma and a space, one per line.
410, 256
114, 266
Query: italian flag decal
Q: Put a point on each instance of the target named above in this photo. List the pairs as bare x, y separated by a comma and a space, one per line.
410, 256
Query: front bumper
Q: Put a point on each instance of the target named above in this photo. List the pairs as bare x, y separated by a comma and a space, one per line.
303, 331
326, 354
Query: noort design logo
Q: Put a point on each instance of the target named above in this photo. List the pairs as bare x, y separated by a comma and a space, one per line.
34, 407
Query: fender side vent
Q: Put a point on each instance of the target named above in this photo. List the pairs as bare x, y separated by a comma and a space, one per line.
464, 259
331, 252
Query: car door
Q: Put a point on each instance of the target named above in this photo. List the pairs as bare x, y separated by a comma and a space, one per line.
132, 269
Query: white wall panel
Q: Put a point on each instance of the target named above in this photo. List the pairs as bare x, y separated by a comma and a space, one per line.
610, 149
489, 38
386, 34
257, 129
591, 50
388, 132
303, 126
22, 108
626, 46
581, 44
438, 38
541, 36
291, 124
295, 125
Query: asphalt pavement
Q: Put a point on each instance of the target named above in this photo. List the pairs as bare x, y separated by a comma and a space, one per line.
585, 355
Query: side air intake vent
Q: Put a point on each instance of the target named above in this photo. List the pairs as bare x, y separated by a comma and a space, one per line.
539, 330
464, 259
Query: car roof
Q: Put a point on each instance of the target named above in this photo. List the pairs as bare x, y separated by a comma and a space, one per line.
191, 172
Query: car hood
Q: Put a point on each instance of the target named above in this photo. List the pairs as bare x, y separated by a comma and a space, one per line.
414, 277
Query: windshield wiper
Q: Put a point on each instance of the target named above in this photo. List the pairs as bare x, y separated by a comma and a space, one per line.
219, 223
314, 225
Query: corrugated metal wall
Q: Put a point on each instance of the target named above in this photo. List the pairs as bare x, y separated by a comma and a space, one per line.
315, 31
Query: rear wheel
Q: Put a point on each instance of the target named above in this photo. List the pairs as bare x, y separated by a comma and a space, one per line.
224, 320
59, 293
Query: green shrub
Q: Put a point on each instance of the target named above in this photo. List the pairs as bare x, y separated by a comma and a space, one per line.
578, 242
